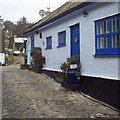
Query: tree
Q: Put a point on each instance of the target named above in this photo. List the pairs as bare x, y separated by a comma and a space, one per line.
21, 27
8, 25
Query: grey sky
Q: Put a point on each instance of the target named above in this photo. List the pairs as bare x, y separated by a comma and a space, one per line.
13, 10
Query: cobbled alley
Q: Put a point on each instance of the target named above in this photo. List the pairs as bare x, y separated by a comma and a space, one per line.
29, 95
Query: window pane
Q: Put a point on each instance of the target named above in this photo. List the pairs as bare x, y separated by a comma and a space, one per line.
117, 23
107, 26
117, 40
108, 41
49, 42
98, 43
101, 27
113, 41
101, 42
62, 37
97, 28
104, 42
104, 26
113, 24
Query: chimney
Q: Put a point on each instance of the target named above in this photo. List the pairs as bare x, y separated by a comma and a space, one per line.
48, 11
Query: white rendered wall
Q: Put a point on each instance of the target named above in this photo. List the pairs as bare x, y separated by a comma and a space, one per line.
104, 67
2, 58
28, 51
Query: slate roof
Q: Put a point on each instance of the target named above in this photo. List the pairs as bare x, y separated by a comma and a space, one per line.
65, 9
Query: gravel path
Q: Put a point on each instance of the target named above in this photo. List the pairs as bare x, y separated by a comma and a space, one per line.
30, 95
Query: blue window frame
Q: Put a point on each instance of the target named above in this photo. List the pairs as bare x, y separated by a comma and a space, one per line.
107, 36
32, 42
62, 39
49, 42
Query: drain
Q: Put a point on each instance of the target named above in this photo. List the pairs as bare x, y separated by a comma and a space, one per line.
99, 115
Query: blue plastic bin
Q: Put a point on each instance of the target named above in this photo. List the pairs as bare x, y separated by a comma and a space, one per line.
71, 77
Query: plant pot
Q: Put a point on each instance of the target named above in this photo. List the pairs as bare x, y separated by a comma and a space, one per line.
71, 77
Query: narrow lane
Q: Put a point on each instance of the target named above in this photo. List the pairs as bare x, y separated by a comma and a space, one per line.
30, 95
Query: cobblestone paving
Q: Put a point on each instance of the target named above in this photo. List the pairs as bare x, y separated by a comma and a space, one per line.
30, 95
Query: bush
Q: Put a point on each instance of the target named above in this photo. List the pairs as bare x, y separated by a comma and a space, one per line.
24, 55
38, 60
22, 66
31, 53
74, 59
77, 74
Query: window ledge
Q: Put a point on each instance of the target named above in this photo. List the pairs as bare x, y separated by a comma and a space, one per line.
48, 48
102, 55
61, 46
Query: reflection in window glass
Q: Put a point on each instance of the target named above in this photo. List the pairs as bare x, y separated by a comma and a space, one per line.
108, 42
104, 26
113, 24
117, 23
117, 40
62, 37
49, 42
100, 42
100, 27
108, 26
104, 42
113, 41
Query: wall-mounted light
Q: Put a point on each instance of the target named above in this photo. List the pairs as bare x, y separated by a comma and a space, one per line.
84, 13
37, 32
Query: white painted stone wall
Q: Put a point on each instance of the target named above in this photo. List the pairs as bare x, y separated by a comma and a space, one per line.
28, 51
2, 58
104, 67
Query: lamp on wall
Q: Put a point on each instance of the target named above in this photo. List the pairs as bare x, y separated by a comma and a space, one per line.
37, 32
84, 13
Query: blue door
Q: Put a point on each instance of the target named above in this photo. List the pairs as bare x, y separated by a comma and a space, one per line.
75, 40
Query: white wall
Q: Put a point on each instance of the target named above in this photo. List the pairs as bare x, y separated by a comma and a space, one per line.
28, 50
2, 58
104, 67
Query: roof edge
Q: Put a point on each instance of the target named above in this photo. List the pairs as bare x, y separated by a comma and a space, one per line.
61, 16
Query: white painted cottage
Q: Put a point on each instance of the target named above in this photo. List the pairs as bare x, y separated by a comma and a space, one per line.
91, 29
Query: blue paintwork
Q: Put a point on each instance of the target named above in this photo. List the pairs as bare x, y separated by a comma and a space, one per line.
32, 42
26, 49
60, 19
71, 77
75, 47
59, 46
107, 51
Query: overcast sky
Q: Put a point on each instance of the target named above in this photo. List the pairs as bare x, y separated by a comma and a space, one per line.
13, 10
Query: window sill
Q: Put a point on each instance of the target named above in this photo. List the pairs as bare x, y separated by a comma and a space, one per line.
61, 46
48, 48
102, 55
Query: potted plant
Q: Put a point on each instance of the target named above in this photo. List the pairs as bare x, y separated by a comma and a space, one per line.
64, 67
71, 67
73, 62
77, 74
